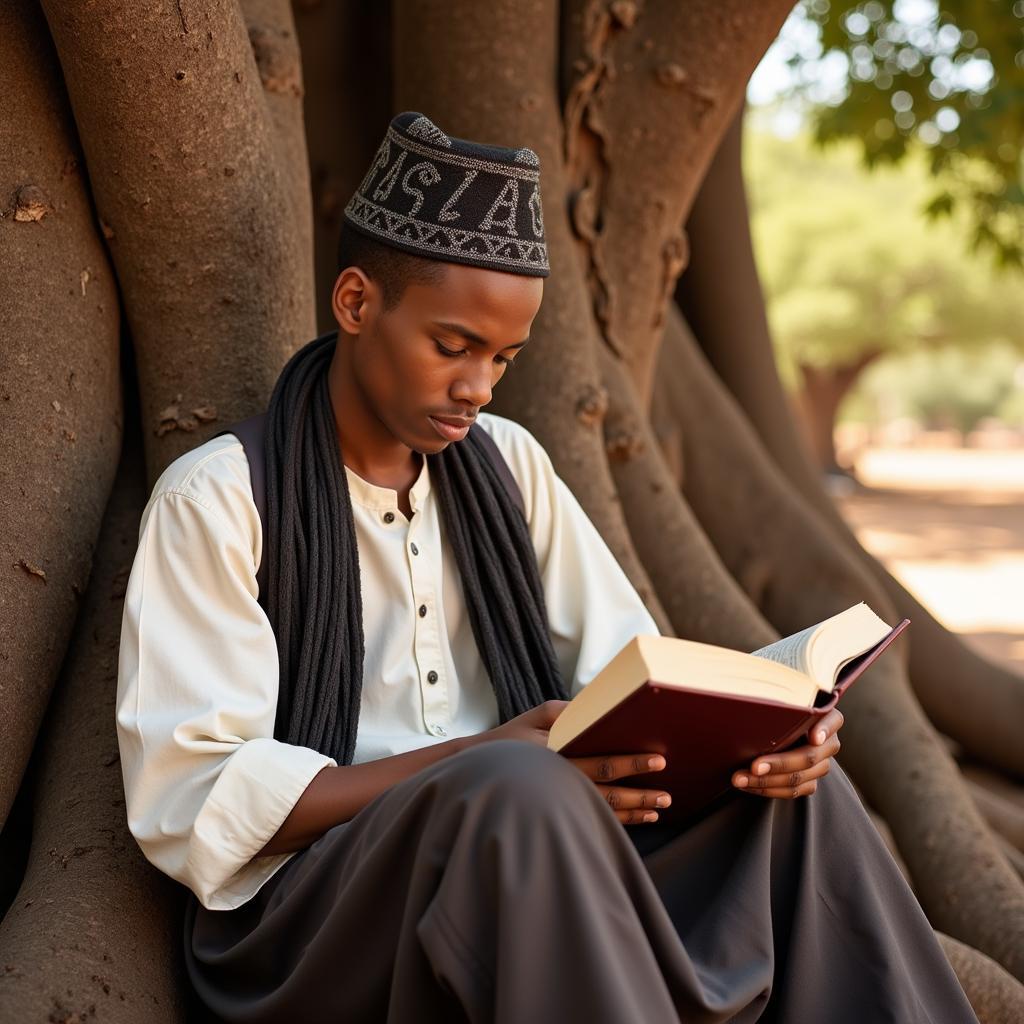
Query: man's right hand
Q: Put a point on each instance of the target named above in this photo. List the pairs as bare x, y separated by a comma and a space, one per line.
532, 725
632, 806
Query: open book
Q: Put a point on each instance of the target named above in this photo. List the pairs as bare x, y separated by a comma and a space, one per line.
711, 710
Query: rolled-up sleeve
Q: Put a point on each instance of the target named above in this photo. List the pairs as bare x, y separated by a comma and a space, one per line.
206, 784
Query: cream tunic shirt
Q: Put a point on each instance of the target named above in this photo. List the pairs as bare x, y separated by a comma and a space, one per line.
206, 783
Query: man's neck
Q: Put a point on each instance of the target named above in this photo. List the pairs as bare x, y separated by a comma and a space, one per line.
368, 448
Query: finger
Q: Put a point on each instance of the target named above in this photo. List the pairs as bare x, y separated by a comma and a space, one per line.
827, 726
547, 712
795, 760
625, 798
636, 817
618, 766
786, 792
785, 780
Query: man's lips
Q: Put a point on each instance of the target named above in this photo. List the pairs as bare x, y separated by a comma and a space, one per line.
451, 428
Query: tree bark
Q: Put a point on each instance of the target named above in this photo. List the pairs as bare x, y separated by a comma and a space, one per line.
275, 49
968, 697
95, 932
488, 75
995, 996
60, 401
346, 63
702, 599
775, 545
214, 263
1005, 818
650, 89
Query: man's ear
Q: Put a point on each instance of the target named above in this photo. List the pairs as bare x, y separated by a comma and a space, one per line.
353, 292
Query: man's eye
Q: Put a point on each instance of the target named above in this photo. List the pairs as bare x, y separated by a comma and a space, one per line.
447, 351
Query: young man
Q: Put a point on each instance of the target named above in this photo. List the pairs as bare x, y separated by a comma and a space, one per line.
333, 719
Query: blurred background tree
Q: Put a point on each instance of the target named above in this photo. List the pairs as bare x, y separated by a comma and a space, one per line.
884, 166
853, 272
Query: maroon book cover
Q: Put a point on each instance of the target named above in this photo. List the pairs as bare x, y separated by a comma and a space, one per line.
705, 737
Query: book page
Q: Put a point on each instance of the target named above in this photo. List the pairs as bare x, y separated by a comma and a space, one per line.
790, 650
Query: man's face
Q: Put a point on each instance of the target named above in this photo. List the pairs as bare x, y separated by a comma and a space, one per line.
439, 353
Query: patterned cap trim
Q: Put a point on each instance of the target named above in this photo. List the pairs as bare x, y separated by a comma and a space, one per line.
451, 199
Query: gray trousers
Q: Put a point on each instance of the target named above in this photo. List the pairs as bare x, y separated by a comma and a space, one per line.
498, 886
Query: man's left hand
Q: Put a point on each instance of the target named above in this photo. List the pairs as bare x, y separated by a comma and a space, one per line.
795, 772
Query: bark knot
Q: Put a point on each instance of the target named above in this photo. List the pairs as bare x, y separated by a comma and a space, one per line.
592, 405
625, 12
622, 444
276, 60
172, 418
31, 203
671, 74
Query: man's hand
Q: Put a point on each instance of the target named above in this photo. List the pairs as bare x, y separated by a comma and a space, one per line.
795, 772
532, 726
631, 806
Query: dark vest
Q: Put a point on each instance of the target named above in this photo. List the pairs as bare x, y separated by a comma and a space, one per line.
251, 433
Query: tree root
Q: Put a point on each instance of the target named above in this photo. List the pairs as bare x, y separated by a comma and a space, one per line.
995, 996
59, 381
94, 931
977, 701
904, 769
213, 261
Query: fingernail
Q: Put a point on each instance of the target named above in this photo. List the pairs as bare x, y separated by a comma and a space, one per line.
664, 800
819, 736
761, 769
651, 816
656, 763
741, 781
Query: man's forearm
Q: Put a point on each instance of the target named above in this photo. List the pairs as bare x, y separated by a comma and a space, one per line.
337, 794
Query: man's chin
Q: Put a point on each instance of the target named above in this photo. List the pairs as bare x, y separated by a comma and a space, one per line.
430, 449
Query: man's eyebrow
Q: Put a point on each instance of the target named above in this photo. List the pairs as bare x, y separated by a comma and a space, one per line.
469, 335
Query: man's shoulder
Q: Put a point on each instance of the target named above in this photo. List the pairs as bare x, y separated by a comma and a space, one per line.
215, 474
524, 454
512, 438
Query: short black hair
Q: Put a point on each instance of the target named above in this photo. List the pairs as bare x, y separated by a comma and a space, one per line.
393, 269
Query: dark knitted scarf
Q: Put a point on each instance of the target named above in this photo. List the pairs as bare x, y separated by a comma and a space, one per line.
313, 591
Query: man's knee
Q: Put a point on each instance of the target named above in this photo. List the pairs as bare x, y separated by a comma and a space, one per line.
516, 770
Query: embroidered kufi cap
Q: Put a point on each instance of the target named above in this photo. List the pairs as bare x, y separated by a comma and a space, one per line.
450, 199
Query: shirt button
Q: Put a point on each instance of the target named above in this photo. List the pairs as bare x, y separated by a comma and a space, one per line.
415, 550
389, 517
438, 730
431, 676
423, 610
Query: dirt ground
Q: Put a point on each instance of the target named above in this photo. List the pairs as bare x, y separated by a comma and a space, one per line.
950, 525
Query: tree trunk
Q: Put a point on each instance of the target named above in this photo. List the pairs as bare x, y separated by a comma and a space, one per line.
213, 259
968, 697
995, 996
346, 64
822, 392
60, 402
650, 90
95, 932
785, 558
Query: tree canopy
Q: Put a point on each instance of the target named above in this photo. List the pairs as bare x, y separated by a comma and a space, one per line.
948, 78
850, 267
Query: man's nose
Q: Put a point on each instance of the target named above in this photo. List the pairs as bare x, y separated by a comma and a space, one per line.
473, 385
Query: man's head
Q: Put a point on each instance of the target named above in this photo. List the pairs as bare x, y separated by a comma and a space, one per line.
441, 261
427, 338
